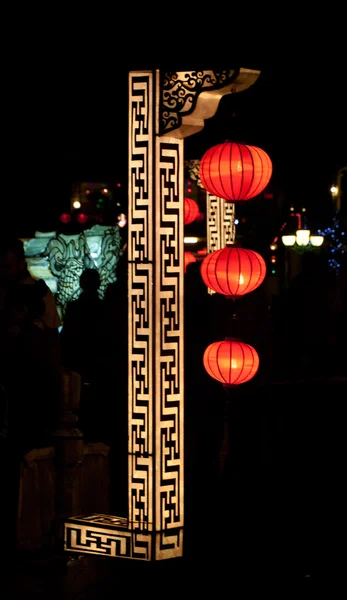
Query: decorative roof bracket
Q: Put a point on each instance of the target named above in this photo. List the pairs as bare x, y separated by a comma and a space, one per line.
190, 97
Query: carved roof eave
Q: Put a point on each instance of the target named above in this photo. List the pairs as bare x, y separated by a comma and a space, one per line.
186, 103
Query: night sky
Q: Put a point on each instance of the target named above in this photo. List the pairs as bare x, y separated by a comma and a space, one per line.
66, 119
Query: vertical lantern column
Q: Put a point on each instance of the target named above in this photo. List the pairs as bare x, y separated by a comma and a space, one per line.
155, 297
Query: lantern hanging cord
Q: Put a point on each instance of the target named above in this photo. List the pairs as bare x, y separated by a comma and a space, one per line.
233, 318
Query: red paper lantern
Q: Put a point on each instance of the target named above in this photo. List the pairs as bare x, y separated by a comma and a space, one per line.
231, 362
235, 171
191, 210
65, 218
82, 218
188, 258
233, 271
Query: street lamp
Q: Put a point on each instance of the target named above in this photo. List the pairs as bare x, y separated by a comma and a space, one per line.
316, 240
304, 238
336, 189
288, 240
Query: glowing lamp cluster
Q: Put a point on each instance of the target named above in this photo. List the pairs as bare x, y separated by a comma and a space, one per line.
233, 271
231, 362
302, 237
191, 211
235, 171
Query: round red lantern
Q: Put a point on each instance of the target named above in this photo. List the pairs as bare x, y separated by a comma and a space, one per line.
188, 258
233, 271
65, 218
231, 362
235, 171
82, 218
191, 210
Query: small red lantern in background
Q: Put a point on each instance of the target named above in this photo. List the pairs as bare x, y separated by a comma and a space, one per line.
233, 271
191, 210
82, 218
188, 258
235, 171
231, 362
65, 218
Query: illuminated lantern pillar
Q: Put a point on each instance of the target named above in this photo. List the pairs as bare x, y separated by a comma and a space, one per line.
156, 370
159, 119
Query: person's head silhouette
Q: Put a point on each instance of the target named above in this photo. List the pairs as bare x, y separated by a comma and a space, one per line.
90, 281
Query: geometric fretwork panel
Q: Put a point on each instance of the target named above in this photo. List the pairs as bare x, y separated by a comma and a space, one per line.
169, 385
141, 299
105, 535
220, 219
155, 299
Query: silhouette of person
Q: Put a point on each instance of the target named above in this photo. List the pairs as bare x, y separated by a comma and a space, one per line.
83, 350
82, 330
14, 271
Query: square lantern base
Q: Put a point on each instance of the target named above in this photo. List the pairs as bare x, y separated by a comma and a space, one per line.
116, 537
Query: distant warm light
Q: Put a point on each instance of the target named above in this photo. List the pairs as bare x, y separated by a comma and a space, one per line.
77, 204
236, 222
190, 240
288, 240
303, 209
118, 185
65, 218
316, 240
273, 259
122, 220
105, 191
303, 237
88, 192
334, 190
189, 190
291, 208
273, 247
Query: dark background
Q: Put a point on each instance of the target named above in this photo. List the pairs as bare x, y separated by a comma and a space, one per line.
65, 109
